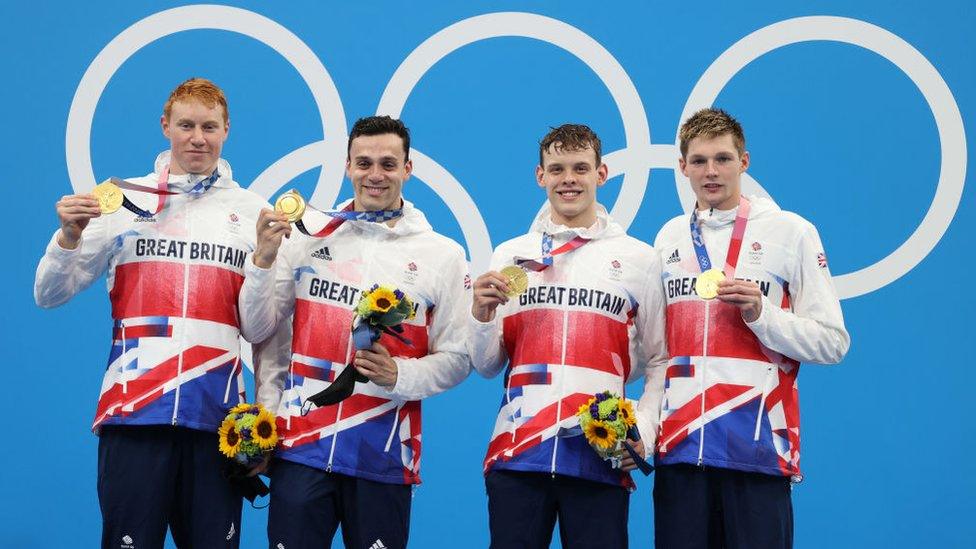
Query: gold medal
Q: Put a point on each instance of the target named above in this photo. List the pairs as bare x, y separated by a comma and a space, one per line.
517, 280
706, 286
109, 196
291, 204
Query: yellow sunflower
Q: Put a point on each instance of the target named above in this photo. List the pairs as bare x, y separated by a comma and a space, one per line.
382, 299
600, 435
264, 432
626, 413
241, 408
230, 439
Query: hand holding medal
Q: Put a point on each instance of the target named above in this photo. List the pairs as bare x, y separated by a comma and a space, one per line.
706, 285
516, 280
109, 196
495, 288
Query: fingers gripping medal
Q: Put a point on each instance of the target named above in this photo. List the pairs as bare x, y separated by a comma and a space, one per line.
291, 204
706, 286
109, 196
517, 280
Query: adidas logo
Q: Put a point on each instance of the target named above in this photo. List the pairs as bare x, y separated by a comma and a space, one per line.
378, 544
127, 542
231, 532
280, 546
322, 254
675, 258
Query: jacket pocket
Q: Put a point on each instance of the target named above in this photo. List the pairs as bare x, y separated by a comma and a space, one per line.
770, 375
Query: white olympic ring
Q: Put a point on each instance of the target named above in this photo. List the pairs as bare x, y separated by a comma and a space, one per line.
634, 161
952, 174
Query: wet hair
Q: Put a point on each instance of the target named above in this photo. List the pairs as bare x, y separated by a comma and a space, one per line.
711, 123
570, 137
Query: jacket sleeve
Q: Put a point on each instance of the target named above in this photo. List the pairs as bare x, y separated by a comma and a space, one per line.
650, 322
814, 330
484, 342
267, 304
267, 296
272, 357
447, 364
62, 273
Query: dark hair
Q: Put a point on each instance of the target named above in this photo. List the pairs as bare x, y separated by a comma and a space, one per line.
570, 137
711, 123
379, 125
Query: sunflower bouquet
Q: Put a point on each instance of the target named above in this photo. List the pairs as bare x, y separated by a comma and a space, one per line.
381, 310
607, 420
247, 436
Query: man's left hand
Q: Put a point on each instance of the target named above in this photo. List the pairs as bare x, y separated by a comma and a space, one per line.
627, 463
743, 294
377, 364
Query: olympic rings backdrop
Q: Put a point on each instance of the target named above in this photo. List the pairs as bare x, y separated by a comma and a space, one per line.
855, 117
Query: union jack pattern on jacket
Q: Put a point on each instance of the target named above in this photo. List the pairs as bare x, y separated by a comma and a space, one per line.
174, 281
375, 433
731, 396
589, 323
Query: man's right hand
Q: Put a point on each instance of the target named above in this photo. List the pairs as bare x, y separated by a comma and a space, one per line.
489, 293
271, 228
75, 211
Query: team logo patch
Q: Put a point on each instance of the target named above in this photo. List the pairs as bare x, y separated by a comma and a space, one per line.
822, 260
615, 270
756, 254
410, 273
467, 282
234, 218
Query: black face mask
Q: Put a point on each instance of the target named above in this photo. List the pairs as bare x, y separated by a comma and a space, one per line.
339, 390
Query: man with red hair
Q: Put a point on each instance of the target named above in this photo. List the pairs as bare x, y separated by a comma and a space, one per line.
174, 259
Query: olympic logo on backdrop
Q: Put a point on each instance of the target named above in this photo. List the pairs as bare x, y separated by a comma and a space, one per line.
633, 161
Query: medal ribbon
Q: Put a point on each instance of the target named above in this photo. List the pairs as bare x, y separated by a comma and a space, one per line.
348, 214
545, 261
161, 191
738, 231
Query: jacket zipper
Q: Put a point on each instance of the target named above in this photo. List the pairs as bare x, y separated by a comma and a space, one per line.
762, 402
125, 381
186, 296
559, 394
701, 430
368, 254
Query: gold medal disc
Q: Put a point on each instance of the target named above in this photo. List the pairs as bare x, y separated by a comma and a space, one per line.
707, 284
291, 204
518, 281
109, 196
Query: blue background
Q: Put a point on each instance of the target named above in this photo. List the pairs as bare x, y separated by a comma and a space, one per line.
836, 132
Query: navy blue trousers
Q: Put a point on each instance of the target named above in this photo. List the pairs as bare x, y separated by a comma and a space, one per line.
713, 508
523, 509
308, 505
154, 476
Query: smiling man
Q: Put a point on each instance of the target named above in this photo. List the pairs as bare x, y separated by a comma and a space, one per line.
175, 265
749, 297
353, 463
589, 319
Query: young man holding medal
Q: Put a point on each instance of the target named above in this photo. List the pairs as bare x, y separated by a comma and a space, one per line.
749, 297
574, 308
350, 450
173, 248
